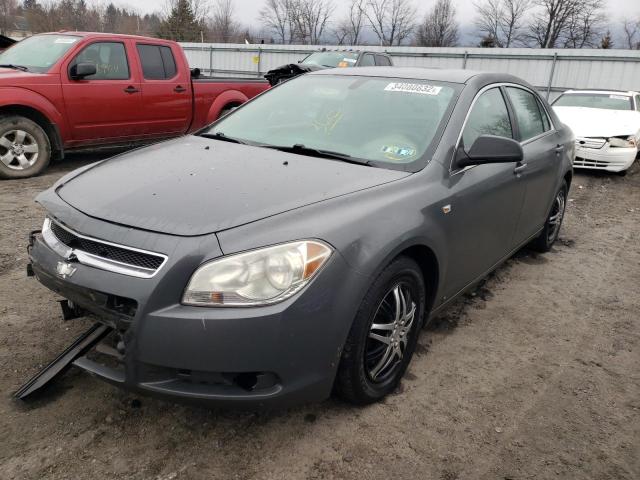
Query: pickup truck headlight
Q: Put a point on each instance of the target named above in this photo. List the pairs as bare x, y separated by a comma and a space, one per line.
625, 142
260, 277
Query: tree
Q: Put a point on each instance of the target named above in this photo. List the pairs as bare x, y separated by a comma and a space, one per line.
7, 15
350, 29
606, 41
391, 20
439, 28
181, 24
585, 25
566, 23
632, 34
277, 17
311, 17
222, 26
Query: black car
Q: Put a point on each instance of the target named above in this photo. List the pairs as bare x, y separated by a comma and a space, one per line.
328, 59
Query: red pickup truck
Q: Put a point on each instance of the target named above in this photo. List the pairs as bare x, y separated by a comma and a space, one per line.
64, 91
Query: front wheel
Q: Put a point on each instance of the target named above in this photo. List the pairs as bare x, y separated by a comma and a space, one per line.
383, 335
551, 230
25, 149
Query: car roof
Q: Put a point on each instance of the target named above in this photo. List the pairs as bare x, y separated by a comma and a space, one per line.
418, 73
628, 93
103, 35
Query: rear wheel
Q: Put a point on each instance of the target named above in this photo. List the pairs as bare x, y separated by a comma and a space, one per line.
383, 335
25, 150
551, 230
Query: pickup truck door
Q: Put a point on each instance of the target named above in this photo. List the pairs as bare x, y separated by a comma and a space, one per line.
103, 108
166, 90
484, 201
543, 151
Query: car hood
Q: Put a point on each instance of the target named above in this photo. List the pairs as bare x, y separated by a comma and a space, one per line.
195, 186
597, 122
11, 75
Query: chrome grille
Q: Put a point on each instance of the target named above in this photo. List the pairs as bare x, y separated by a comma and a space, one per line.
100, 253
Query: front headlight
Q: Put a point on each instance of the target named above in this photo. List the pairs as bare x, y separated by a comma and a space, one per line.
259, 277
624, 142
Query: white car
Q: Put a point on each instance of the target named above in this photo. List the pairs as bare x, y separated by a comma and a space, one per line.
606, 124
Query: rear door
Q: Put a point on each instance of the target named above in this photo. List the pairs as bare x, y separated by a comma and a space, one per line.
543, 153
484, 201
166, 90
105, 107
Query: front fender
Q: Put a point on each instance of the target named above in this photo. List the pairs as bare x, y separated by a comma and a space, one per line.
23, 97
230, 97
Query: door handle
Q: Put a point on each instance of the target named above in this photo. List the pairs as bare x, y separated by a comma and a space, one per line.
131, 89
559, 148
179, 89
520, 168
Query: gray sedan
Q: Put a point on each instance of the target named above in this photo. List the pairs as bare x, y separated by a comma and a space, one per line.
297, 246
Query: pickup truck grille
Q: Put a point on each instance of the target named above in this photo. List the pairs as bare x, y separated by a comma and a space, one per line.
106, 255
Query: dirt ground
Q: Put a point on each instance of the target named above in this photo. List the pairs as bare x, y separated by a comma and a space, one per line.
536, 375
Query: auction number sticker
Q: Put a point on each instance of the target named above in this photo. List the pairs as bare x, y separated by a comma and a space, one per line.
618, 97
66, 40
420, 88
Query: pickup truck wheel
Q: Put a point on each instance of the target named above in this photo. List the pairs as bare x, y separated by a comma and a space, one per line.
25, 149
551, 230
383, 335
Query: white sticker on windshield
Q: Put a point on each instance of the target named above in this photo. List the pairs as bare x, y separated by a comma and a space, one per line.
618, 97
420, 88
66, 40
350, 60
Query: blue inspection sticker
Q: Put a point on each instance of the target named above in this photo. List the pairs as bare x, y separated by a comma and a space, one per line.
398, 154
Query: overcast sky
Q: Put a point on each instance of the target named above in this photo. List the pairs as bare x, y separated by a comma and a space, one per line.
248, 10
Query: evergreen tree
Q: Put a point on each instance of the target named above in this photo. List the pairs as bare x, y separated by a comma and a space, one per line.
181, 25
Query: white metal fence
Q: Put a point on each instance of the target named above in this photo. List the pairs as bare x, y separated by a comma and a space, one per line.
550, 71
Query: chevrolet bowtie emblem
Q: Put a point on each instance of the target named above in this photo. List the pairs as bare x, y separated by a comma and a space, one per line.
65, 269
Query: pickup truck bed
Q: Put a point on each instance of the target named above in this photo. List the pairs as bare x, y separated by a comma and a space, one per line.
63, 91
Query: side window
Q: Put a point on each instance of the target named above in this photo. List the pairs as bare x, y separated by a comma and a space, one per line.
527, 113
638, 103
110, 59
546, 123
157, 62
382, 61
367, 60
489, 116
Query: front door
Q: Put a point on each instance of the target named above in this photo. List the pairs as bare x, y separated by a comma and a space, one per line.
484, 200
103, 108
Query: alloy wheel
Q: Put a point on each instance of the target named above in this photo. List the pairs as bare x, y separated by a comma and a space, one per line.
18, 149
557, 213
389, 333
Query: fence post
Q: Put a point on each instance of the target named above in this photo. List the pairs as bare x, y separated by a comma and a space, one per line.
259, 61
553, 69
464, 60
211, 60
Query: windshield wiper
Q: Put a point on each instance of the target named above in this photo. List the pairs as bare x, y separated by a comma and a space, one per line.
223, 137
15, 67
315, 152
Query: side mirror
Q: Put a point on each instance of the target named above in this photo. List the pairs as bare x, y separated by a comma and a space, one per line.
82, 70
490, 149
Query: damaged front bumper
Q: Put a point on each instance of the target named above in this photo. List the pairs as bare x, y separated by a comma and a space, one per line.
273, 356
611, 159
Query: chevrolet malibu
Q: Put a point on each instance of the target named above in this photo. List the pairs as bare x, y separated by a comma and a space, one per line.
297, 246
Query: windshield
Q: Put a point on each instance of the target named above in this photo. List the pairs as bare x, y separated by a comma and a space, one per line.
39, 53
607, 101
387, 121
332, 59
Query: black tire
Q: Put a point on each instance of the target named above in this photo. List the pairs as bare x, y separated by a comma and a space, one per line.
25, 150
543, 242
354, 381
622, 173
